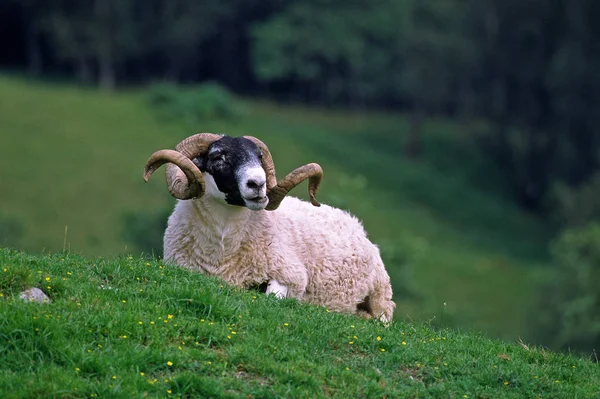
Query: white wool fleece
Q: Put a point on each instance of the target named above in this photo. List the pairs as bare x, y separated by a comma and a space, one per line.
321, 255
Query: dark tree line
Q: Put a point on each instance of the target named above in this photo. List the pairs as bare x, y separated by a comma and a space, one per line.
528, 68
120, 42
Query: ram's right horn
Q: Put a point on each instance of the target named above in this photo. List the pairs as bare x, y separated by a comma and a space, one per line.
184, 179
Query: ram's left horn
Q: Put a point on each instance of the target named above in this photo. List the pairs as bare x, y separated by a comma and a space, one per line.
311, 171
276, 191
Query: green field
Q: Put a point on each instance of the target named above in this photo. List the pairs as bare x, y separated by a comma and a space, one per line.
72, 157
127, 327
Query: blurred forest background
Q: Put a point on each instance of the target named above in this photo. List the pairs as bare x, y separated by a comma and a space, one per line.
463, 132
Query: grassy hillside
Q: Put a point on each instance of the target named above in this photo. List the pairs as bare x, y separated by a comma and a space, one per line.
72, 157
129, 328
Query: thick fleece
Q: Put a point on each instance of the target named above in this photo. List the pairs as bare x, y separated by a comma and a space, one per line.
321, 254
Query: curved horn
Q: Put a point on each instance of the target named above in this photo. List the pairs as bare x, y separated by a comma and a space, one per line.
184, 179
197, 144
267, 162
311, 171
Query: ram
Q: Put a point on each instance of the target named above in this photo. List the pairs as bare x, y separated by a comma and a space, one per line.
234, 220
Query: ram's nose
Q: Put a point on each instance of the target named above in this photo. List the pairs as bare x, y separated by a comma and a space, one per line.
256, 184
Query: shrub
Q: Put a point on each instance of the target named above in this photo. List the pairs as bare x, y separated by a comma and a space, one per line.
398, 258
577, 206
345, 187
569, 304
144, 230
193, 104
11, 231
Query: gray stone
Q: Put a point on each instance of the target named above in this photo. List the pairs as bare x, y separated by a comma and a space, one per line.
34, 295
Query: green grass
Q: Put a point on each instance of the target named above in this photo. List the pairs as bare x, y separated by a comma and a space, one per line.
126, 327
73, 157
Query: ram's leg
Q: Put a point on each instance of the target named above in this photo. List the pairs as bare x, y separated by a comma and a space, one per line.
293, 279
380, 301
274, 287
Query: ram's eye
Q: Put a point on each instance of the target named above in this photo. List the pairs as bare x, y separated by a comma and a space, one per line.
219, 156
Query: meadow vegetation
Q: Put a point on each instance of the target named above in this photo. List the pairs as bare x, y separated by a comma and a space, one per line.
462, 133
131, 327
459, 251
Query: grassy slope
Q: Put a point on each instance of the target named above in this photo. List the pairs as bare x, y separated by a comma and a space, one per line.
128, 328
74, 157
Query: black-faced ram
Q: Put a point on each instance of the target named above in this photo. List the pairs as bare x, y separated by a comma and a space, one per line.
234, 220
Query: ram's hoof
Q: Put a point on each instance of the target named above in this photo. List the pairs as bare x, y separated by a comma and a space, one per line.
280, 291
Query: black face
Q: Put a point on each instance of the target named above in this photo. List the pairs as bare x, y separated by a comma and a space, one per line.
224, 161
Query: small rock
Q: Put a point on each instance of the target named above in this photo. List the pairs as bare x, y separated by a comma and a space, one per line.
34, 295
